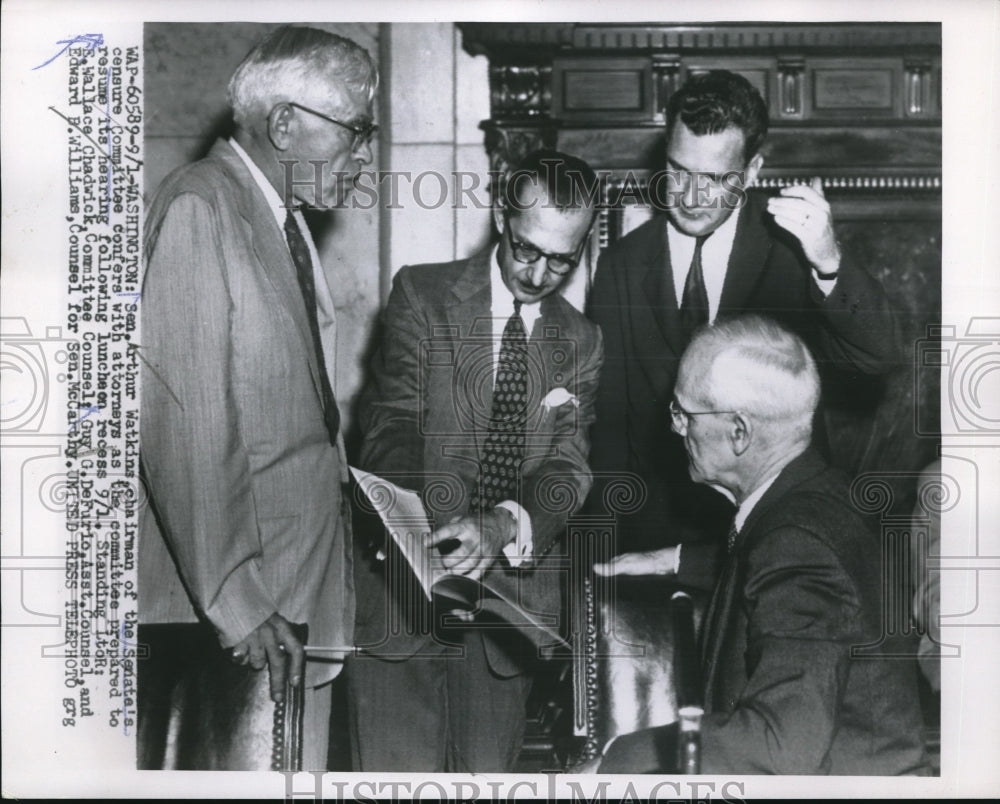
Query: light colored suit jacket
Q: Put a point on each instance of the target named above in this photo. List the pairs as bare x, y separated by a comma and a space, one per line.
245, 516
427, 410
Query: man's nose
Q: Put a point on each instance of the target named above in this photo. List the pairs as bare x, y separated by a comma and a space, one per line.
691, 193
537, 271
363, 153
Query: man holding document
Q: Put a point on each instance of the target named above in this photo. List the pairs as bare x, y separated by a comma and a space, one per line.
482, 394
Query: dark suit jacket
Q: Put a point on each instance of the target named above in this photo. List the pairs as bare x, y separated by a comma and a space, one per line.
245, 488
786, 689
633, 301
425, 417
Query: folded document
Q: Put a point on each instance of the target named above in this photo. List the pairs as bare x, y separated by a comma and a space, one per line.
503, 592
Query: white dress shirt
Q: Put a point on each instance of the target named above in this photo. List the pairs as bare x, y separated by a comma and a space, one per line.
715, 253
325, 313
714, 260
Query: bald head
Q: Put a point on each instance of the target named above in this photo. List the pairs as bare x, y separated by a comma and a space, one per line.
752, 364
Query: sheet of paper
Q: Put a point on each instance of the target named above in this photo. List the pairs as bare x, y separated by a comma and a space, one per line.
403, 514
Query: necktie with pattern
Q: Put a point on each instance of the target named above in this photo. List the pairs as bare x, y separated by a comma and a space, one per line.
731, 537
694, 302
504, 448
304, 271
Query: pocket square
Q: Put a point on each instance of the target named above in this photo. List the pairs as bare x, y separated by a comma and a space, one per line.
559, 396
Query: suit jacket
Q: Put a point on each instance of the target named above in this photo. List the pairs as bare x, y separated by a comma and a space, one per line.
244, 486
425, 417
633, 300
786, 688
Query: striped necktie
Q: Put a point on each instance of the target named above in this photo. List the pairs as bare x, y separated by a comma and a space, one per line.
307, 284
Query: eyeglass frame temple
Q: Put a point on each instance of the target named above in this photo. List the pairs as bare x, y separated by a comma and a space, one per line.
362, 136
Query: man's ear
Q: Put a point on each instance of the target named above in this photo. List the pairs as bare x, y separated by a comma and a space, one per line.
740, 433
280, 123
498, 220
753, 168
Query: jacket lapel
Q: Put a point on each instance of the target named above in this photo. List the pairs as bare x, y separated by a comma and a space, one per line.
269, 246
549, 339
751, 246
803, 468
469, 321
716, 618
657, 285
725, 597
652, 314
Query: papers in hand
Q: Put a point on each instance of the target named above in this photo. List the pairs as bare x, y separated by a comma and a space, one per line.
504, 595
403, 514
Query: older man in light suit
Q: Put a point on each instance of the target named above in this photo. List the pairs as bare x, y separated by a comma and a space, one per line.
245, 533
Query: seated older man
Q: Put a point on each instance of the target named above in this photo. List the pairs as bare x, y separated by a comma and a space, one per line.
784, 689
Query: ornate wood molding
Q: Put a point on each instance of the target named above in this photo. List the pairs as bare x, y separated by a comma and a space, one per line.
520, 90
484, 37
858, 104
880, 181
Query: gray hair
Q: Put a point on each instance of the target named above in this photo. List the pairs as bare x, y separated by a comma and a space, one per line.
753, 364
297, 59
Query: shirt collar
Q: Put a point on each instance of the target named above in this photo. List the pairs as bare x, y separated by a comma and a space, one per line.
274, 202
743, 512
720, 241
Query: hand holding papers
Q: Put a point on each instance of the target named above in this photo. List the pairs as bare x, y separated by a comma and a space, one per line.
498, 594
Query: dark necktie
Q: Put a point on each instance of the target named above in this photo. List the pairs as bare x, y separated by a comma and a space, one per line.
731, 537
304, 271
694, 302
504, 449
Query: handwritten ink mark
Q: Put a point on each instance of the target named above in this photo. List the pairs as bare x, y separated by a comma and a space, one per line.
136, 347
87, 412
93, 142
96, 144
90, 41
135, 299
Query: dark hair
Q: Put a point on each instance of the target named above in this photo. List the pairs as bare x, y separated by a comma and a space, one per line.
569, 182
711, 102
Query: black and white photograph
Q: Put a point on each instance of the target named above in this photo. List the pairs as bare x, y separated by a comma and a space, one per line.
480, 404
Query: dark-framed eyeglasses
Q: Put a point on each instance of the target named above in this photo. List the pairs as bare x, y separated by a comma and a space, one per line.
559, 264
363, 134
681, 418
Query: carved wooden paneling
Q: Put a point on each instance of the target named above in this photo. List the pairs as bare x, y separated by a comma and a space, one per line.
520, 90
593, 89
496, 38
